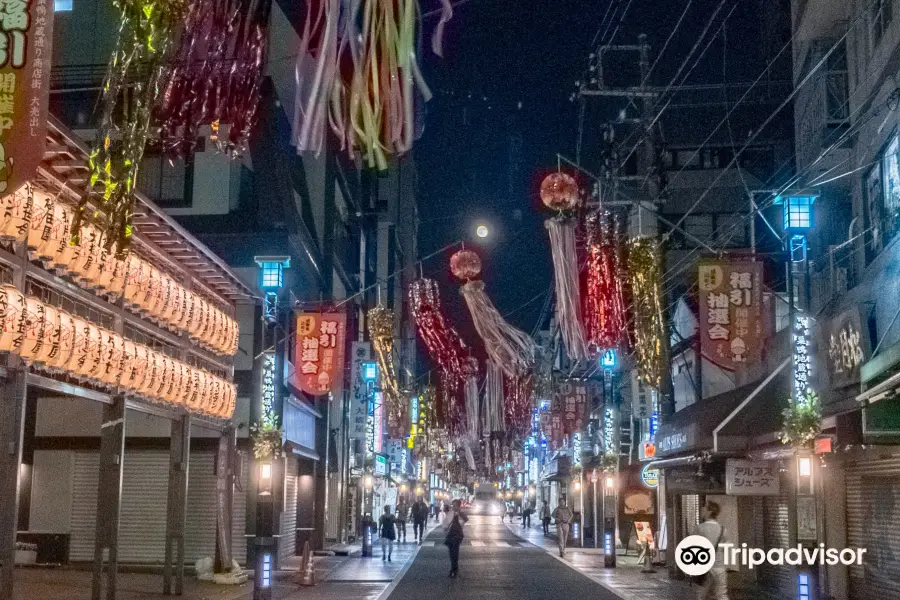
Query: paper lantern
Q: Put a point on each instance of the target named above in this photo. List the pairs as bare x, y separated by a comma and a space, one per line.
151, 378
86, 265
176, 395
126, 364
465, 265
163, 296
16, 215
205, 392
187, 310
94, 363
80, 346
33, 329
116, 286
231, 399
57, 224
40, 221
559, 191
58, 361
50, 342
66, 251
107, 272
140, 367
111, 362
149, 286
192, 399
194, 323
12, 314
171, 312
134, 279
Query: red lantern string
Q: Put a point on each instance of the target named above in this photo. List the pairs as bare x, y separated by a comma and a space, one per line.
604, 305
444, 344
215, 75
518, 404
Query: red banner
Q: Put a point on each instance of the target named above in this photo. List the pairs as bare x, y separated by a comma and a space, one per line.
319, 352
574, 401
732, 323
26, 27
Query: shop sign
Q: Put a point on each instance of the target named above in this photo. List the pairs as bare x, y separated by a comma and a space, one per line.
731, 317
802, 357
650, 477
572, 399
268, 387
752, 478
609, 431
319, 352
647, 451
378, 417
844, 346
675, 441
359, 397
27, 37
576, 449
381, 463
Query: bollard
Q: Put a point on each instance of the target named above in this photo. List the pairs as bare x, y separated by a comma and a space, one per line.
307, 574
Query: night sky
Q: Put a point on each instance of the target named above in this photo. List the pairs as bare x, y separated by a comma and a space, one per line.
502, 111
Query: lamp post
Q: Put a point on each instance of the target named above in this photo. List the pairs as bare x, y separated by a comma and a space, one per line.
368, 522
609, 522
265, 536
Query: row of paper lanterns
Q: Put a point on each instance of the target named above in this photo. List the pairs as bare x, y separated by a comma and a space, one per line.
45, 225
59, 342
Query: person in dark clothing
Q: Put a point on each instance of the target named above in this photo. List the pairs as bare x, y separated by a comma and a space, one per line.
545, 517
388, 533
402, 516
420, 517
455, 536
526, 516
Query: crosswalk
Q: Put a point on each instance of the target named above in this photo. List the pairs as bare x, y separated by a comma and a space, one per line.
483, 544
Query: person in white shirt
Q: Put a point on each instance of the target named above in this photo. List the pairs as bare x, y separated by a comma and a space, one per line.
715, 583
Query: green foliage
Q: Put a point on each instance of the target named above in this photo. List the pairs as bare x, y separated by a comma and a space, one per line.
801, 422
266, 439
610, 462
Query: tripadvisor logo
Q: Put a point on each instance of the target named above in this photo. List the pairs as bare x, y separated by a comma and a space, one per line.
696, 556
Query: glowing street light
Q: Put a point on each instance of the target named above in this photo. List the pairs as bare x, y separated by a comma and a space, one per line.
482, 231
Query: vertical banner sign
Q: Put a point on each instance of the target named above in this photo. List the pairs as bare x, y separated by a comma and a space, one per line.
731, 313
802, 336
268, 386
319, 356
25, 43
574, 400
361, 353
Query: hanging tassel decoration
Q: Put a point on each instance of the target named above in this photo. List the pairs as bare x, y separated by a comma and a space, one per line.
437, 39
604, 304
645, 269
509, 348
494, 400
214, 76
471, 401
381, 333
517, 406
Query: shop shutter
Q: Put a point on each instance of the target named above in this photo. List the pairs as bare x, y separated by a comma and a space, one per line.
200, 530
776, 534
287, 545
83, 517
239, 520
142, 526
333, 505
690, 513
873, 522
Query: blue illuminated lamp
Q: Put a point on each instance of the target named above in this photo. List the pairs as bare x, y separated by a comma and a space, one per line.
609, 359
370, 372
797, 211
271, 271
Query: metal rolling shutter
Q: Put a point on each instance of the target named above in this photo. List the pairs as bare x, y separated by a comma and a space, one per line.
873, 522
83, 517
776, 534
200, 530
333, 529
239, 520
287, 545
690, 513
142, 526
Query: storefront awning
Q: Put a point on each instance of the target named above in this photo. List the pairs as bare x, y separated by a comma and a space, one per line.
730, 421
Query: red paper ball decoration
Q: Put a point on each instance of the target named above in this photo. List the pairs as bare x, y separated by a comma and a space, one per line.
465, 265
559, 191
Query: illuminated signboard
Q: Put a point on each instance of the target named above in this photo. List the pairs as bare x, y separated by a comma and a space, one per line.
533, 474
802, 358
650, 477
609, 431
268, 386
378, 414
576, 449
414, 410
380, 464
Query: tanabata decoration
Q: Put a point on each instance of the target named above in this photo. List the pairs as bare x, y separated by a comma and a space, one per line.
493, 406
356, 70
471, 396
130, 90
645, 269
559, 192
604, 304
214, 75
444, 344
381, 333
510, 349
517, 406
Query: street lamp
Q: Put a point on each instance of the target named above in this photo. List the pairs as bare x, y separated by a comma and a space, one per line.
265, 540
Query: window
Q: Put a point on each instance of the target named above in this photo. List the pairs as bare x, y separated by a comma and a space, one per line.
698, 226
62, 5
836, 98
881, 15
731, 229
167, 181
873, 211
891, 171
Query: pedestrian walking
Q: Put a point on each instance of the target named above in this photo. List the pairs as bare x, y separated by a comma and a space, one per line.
420, 517
563, 516
388, 533
545, 517
402, 515
454, 536
714, 585
526, 516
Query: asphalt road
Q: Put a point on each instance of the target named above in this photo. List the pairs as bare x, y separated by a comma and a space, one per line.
494, 564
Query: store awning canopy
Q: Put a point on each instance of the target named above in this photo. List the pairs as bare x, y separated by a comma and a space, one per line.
730, 421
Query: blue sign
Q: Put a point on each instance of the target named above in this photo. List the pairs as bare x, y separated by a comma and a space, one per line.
609, 359
370, 372
414, 410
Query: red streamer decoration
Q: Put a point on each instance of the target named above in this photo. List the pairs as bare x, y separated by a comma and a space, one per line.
215, 75
444, 344
604, 304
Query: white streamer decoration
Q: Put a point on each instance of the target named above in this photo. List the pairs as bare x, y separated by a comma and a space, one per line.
568, 296
510, 348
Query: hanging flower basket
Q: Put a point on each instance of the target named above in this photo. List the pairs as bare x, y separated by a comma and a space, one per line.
802, 422
267, 440
610, 462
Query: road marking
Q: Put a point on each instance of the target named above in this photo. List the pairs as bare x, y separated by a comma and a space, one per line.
477, 544
428, 544
502, 544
